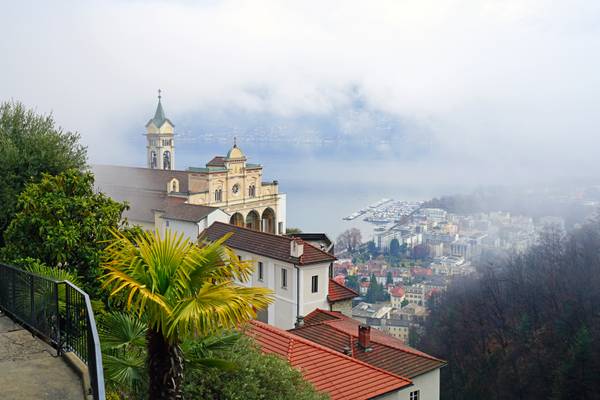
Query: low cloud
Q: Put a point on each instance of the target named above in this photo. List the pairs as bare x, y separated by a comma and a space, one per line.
484, 86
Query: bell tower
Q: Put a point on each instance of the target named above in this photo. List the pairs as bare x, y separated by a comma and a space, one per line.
160, 145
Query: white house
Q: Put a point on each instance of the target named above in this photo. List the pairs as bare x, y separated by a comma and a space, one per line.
295, 270
397, 296
189, 219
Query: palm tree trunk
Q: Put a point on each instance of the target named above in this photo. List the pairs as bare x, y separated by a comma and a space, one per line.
165, 368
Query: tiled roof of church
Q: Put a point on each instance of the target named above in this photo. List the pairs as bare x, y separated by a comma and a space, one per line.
187, 212
337, 332
111, 178
331, 372
265, 244
339, 292
217, 161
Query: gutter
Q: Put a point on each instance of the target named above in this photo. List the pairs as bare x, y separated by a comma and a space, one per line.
297, 291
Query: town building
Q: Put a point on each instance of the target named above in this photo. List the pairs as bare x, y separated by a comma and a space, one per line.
364, 311
415, 294
398, 328
347, 336
435, 248
397, 296
411, 312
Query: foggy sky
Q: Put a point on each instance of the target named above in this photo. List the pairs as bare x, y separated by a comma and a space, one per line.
496, 89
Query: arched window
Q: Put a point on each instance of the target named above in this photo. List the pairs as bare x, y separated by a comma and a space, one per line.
251, 191
153, 162
167, 160
219, 195
173, 186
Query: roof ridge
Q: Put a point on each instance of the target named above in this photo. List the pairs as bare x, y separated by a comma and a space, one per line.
252, 230
300, 339
290, 349
289, 239
319, 250
343, 286
404, 348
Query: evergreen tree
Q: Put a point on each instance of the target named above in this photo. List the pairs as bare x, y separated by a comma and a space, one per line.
372, 248
31, 145
62, 221
373, 290
395, 248
389, 280
352, 282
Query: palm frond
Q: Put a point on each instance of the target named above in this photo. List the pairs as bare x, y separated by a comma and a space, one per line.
126, 370
180, 288
119, 330
218, 306
54, 273
221, 364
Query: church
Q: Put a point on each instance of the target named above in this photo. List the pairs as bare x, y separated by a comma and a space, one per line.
227, 189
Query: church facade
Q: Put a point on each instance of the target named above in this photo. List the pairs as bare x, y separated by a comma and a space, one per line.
160, 194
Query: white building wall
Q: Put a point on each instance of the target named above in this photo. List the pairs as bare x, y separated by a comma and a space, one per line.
147, 226
427, 384
217, 215
281, 214
189, 229
282, 312
311, 301
285, 297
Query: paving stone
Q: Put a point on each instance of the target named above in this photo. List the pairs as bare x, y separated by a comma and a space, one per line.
29, 368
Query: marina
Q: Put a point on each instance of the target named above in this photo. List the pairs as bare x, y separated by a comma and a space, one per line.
385, 211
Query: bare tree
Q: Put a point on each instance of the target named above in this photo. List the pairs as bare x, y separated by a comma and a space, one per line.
349, 240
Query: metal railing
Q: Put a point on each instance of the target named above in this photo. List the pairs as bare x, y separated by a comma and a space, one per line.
57, 311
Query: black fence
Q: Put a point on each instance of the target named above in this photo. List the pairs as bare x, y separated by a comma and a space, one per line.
58, 312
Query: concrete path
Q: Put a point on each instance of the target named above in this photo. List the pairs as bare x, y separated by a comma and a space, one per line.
29, 368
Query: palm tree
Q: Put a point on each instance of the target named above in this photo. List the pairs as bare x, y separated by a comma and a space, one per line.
182, 290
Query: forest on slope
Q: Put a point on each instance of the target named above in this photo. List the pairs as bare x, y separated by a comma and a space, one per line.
524, 328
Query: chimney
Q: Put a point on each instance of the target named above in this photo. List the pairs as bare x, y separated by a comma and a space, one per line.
364, 337
296, 248
299, 321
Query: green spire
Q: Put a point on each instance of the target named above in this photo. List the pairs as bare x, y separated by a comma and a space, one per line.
159, 116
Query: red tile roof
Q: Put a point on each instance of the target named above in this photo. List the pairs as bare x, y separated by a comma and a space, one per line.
418, 271
265, 244
398, 291
331, 372
339, 292
336, 331
341, 279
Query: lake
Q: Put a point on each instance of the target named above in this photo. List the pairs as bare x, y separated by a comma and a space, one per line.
325, 183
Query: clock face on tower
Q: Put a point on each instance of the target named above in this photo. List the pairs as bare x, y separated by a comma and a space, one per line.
235, 189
